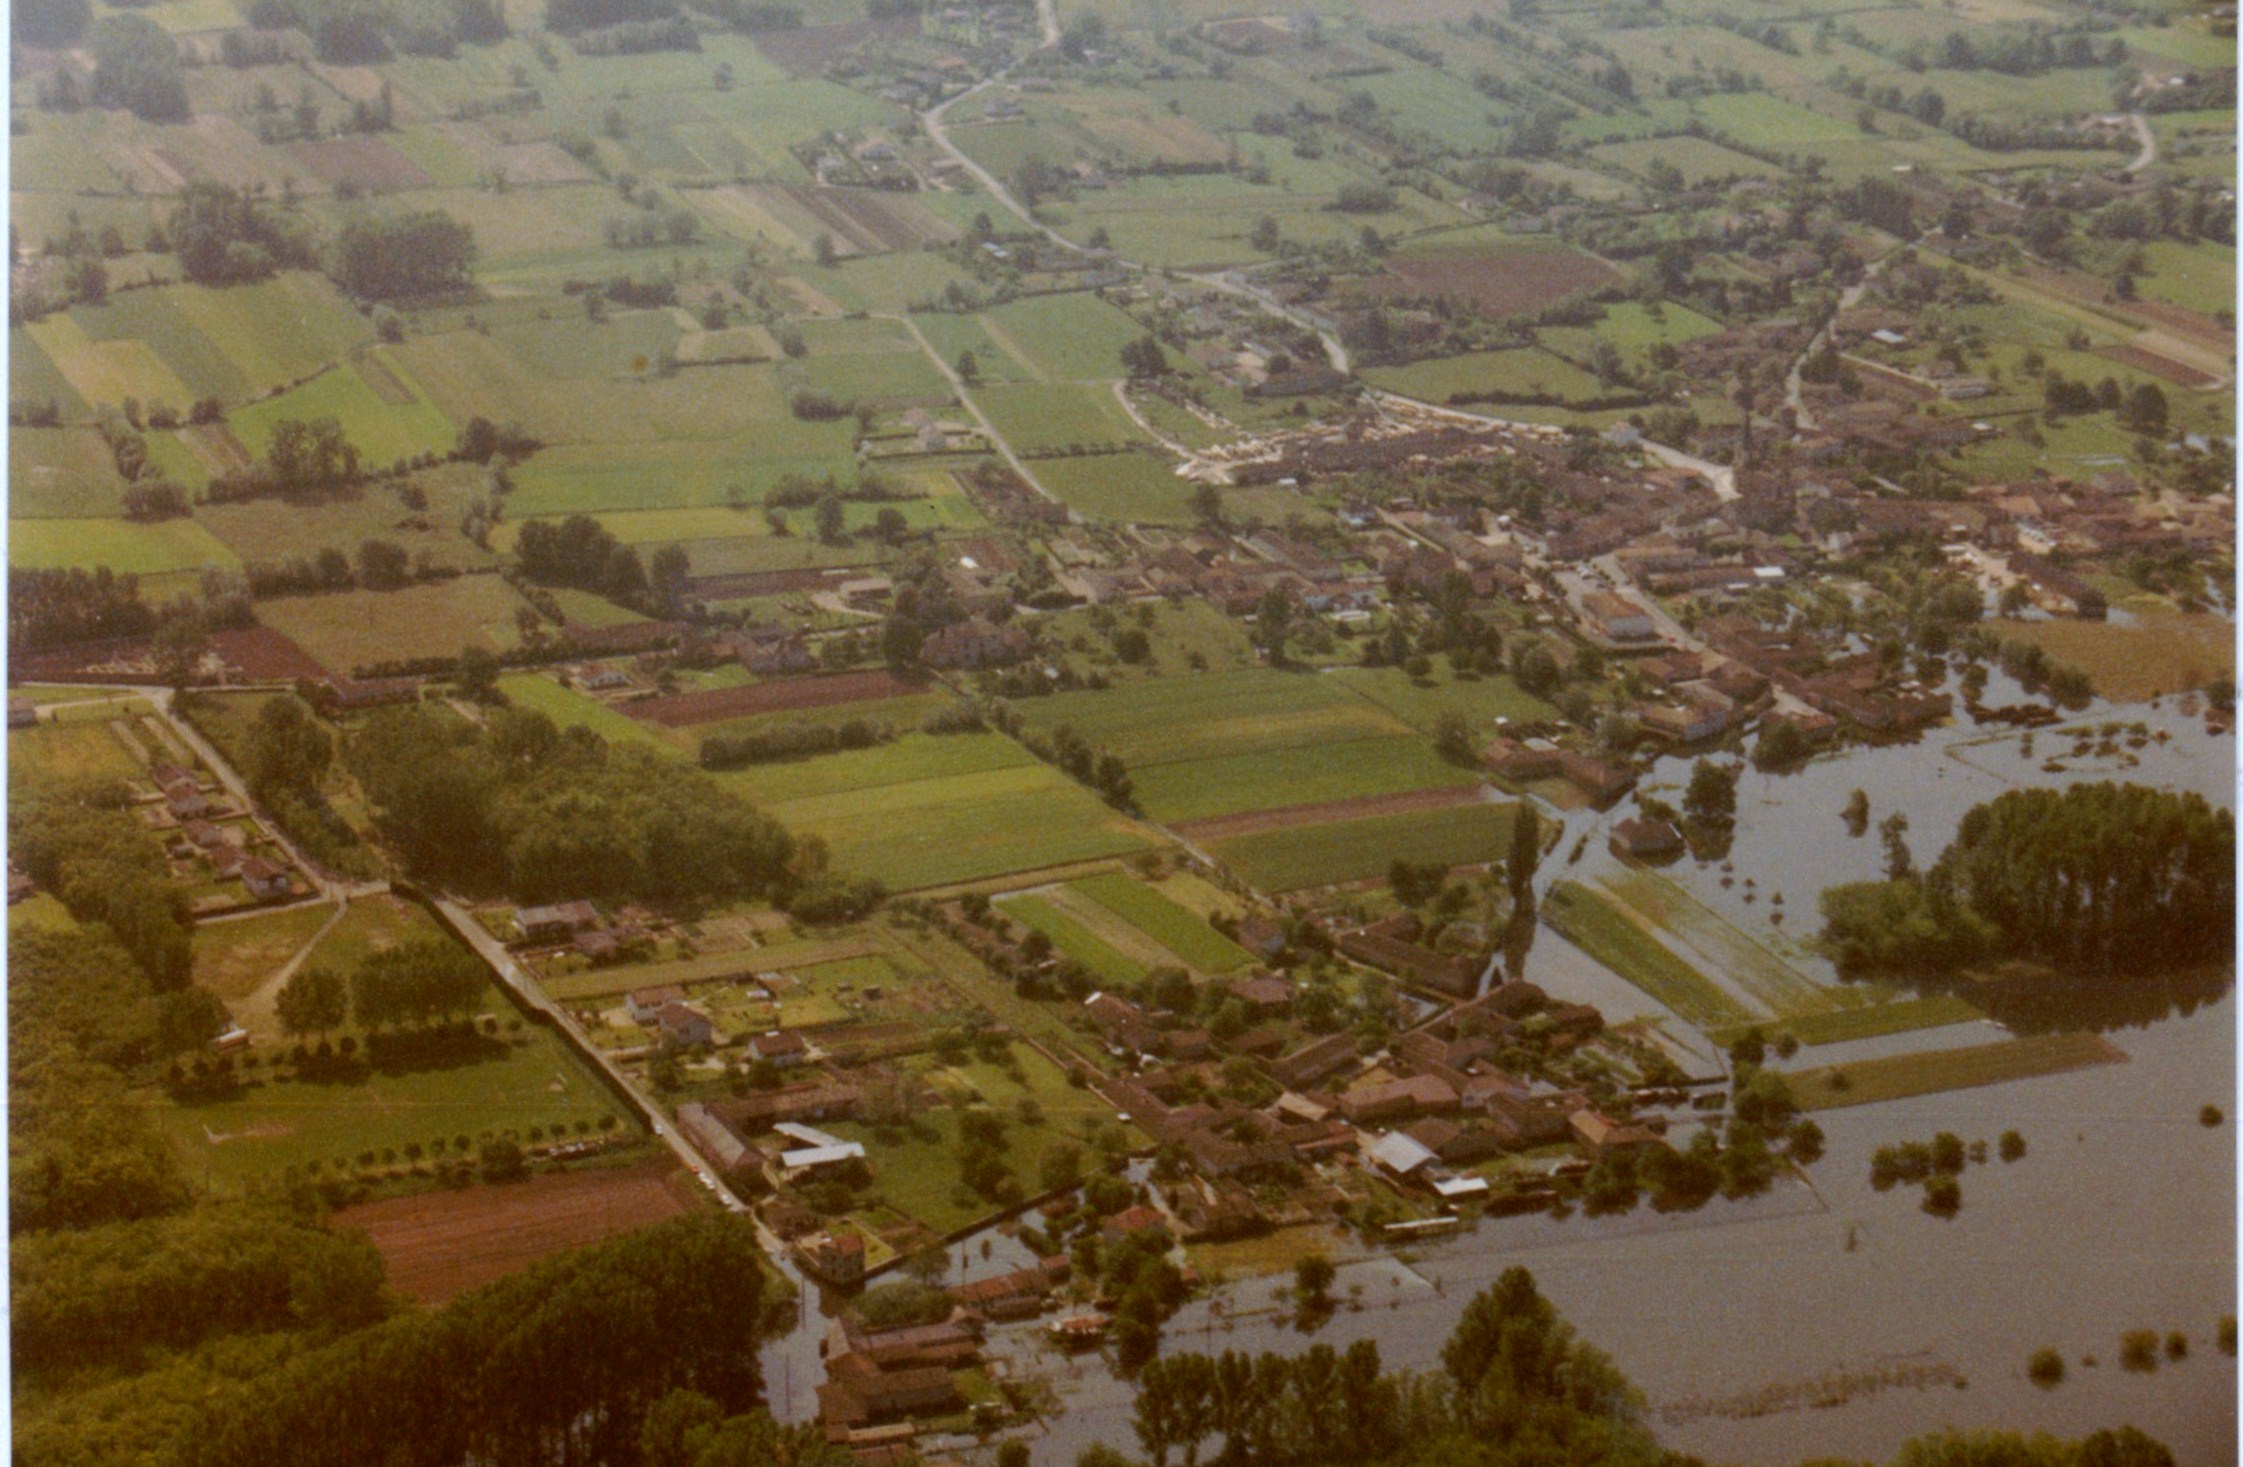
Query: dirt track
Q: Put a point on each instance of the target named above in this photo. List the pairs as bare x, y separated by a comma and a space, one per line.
1222, 827
440, 1244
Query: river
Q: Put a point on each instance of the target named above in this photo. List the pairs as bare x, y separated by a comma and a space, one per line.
2120, 1216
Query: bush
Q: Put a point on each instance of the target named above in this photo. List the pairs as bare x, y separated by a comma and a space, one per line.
2045, 1369
2137, 1350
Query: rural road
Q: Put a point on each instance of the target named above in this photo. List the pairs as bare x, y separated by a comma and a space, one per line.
1794, 395
988, 429
2148, 154
329, 885
494, 953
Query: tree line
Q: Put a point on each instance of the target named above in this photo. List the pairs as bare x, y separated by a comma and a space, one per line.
81, 841
792, 741
1515, 1384
2102, 879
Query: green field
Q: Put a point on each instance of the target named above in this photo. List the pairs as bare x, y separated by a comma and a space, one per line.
571, 709
69, 750
1899, 1076
1359, 850
1074, 940
1601, 929
1522, 374
121, 545
1180, 931
1840, 1025
933, 831
381, 430
1141, 487
1307, 774
234, 1144
1054, 417
1069, 338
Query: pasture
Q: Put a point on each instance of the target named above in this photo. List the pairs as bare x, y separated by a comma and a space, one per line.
1603, 930
1526, 374
1510, 279
387, 422
122, 545
526, 1079
1139, 487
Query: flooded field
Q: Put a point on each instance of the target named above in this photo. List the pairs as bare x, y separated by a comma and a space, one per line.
1828, 1317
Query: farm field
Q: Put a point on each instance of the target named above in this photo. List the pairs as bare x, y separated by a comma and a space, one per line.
138, 549
1510, 278
68, 750
1524, 375
931, 832
440, 1244
1899, 1076
569, 708
1181, 931
1106, 963
345, 630
1606, 933
1139, 487
529, 1079
2158, 653
1837, 1026
1361, 849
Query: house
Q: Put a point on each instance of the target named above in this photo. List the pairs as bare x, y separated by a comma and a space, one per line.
1020, 1294
1124, 1023
1261, 936
838, 1258
645, 1005
266, 881
772, 650
1457, 1142
780, 1047
909, 1347
806, 1100
857, 1393
1600, 1135
1616, 618
683, 1026
183, 796
712, 1137
1514, 759
204, 834
1131, 1221
1315, 1061
1525, 1121
1399, 1155
1264, 993
975, 643
1644, 839
556, 923
1600, 781
1397, 1100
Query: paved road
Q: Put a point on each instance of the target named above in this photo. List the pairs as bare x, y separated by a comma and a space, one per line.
494, 952
333, 887
1850, 297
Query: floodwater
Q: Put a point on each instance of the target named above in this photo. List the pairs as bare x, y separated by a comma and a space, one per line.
1827, 1318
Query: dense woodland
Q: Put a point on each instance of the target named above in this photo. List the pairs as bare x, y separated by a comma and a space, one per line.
523, 807
2096, 879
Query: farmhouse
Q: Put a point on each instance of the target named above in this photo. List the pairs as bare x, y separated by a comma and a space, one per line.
975, 643
1645, 839
266, 881
645, 1005
556, 923
780, 1047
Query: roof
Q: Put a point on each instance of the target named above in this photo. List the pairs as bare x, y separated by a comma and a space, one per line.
814, 1156
1399, 1153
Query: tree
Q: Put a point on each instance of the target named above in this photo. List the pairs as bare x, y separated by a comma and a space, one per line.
1207, 506
1144, 359
189, 1019
1893, 831
314, 1000
1265, 236
383, 565
476, 674
1711, 798
831, 520
1782, 744
1452, 738
136, 66
287, 749
828, 256
1273, 621
969, 369
1526, 849
424, 252
179, 649
1312, 1280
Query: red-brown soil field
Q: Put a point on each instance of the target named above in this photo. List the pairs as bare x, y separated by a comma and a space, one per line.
718, 704
439, 1244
